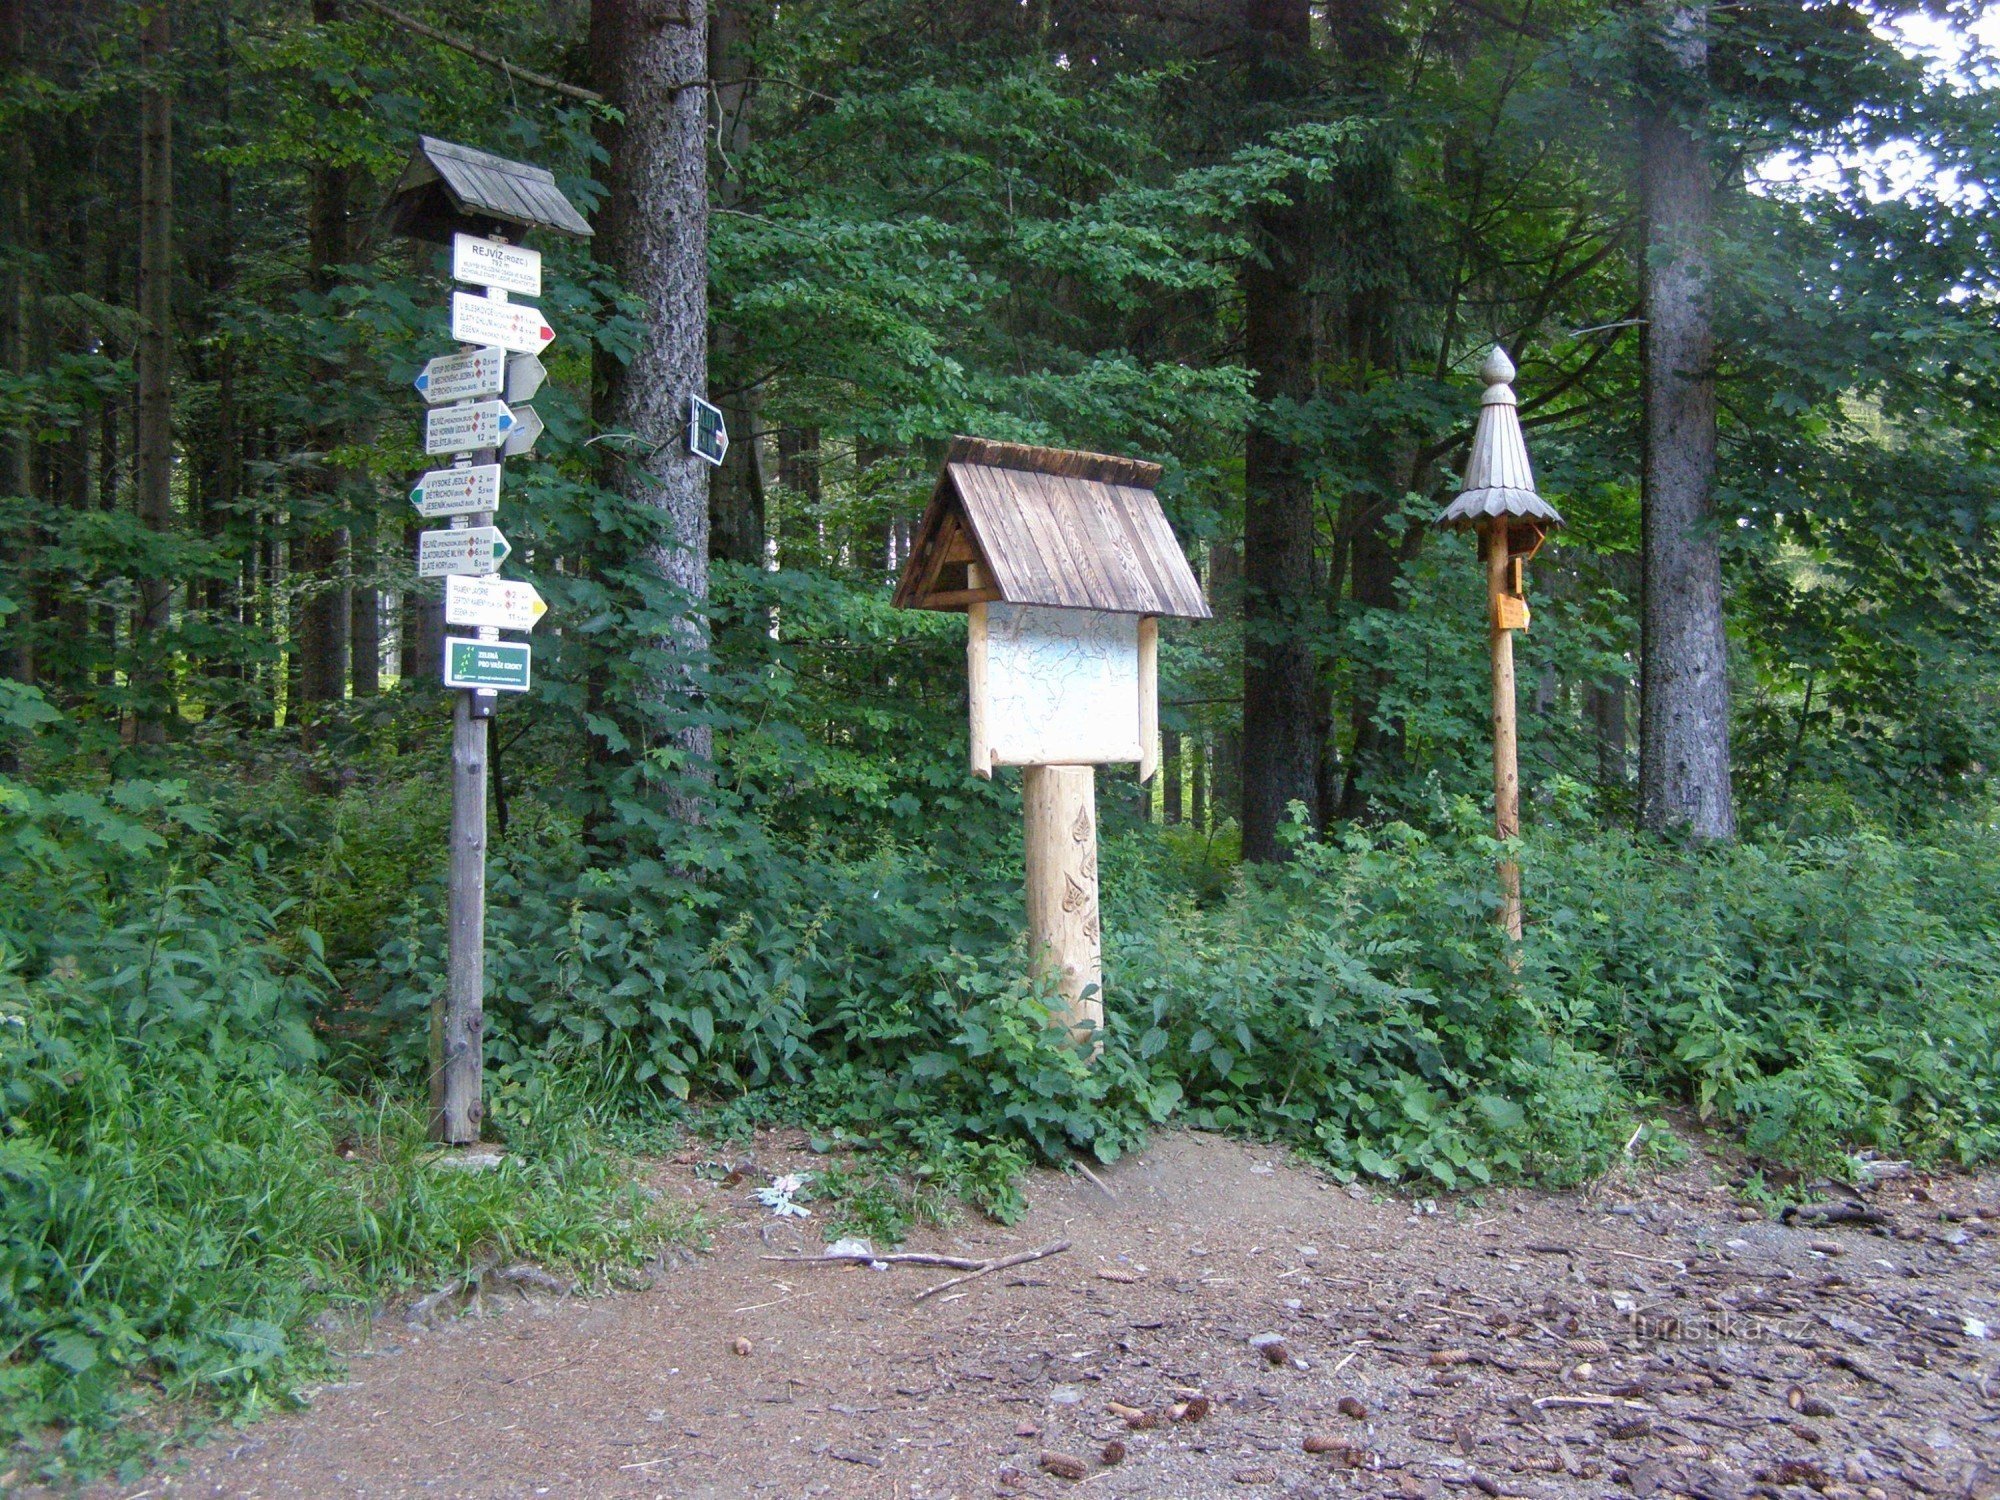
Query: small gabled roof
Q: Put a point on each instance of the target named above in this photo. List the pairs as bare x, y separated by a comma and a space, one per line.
447, 187
1498, 480
1048, 526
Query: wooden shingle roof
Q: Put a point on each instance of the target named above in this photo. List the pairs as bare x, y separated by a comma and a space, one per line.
447, 187
1024, 525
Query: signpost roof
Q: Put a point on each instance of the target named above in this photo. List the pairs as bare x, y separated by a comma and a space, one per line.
1498, 480
447, 188
1048, 526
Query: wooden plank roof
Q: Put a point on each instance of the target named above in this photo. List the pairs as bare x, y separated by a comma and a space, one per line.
1048, 526
447, 186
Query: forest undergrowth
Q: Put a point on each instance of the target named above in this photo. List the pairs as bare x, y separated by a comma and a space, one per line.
215, 987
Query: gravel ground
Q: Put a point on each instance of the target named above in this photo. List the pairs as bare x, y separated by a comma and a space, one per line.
1224, 1322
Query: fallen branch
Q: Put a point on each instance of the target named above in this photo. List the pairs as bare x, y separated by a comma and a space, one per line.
986, 1268
1543, 1403
898, 1258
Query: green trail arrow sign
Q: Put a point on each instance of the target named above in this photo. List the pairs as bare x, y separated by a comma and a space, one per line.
457, 492
498, 665
470, 549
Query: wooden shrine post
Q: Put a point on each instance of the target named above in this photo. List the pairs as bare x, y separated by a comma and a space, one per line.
1064, 563
1500, 503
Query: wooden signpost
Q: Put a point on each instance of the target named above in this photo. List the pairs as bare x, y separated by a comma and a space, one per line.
476, 203
1064, 564
1499, 502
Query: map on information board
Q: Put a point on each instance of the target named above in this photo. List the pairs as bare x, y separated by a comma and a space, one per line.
1062, 685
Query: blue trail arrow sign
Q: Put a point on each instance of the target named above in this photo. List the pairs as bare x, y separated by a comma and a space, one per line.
475, 424
457, 492
464, 377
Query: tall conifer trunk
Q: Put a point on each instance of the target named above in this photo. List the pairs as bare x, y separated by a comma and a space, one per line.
736, 502
321, 546
1684, 774
16, 450
153, 432
648, 58
1280, 746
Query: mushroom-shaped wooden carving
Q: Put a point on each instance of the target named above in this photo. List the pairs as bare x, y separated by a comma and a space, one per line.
1499, 501
1064, 563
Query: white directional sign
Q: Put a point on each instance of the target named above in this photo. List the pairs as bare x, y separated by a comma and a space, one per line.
477, 424
457, 492
499, 602
708, 438
465, 377
525, 375
475, 549
511, 325
521, 436
489, 263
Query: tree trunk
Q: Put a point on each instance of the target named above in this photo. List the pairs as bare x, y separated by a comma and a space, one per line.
321, 640
1606, 704
16, 449
154, 437
1684, 778
736, 508
648, 58
364, 613
1170, 776
1225, 597
1280, 749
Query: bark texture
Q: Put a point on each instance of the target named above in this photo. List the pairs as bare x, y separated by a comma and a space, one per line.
736, 501
18, 659
648, 58
1684, 772
153, 431
1280, 738
321, 549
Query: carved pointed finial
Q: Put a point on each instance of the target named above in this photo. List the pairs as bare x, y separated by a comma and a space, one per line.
1498, 479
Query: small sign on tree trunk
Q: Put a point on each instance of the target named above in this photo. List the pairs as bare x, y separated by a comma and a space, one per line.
708, 437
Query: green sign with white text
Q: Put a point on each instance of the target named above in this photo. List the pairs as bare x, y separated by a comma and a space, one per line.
501, 665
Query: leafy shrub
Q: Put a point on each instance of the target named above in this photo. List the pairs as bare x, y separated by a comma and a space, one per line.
182, 1190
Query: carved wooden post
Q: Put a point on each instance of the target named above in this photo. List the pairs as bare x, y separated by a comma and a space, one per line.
1059, 814
1499, 502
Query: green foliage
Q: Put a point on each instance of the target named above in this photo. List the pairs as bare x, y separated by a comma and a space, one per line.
182, 1193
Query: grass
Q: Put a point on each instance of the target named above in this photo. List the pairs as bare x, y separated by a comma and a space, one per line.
170, 1262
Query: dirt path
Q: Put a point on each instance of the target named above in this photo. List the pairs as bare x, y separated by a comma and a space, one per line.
1638, 1339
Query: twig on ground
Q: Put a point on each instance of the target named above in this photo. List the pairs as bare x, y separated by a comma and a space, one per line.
896, 1258
1543, 1403
991, 1266
1102, 1186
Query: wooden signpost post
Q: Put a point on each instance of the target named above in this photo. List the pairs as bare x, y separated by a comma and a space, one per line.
1499, 502
476, 202
1064, 564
